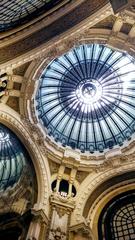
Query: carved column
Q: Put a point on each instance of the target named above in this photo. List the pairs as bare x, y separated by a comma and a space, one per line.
117, 25
61, 208
59, 177
37, 229
71, 181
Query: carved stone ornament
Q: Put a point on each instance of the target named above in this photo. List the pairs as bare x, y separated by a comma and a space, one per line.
83, 230
57, 199
3, 84
57, 234
127, 17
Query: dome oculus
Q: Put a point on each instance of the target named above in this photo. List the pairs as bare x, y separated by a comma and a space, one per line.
86, 98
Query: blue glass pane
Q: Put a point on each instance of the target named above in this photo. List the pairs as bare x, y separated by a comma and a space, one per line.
86, 98
12, 158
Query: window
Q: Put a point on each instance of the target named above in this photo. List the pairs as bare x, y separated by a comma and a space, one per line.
117, 220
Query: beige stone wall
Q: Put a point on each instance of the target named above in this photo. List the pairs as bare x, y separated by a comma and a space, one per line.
77, 237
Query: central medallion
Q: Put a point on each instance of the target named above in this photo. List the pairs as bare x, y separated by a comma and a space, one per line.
89, 91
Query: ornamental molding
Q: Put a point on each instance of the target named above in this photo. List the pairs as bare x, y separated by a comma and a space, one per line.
60, 202
80, 33
40, 22
82, 229
127, 16
73, 158
60, 42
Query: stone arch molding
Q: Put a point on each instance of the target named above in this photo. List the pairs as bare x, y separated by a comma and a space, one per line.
104, 199
90, 184
12, 120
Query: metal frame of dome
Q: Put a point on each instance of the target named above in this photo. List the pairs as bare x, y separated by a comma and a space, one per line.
86, 98
15, 13
12, 158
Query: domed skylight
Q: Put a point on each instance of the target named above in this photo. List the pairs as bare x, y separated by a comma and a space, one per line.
86, 98
14, 13
12, 158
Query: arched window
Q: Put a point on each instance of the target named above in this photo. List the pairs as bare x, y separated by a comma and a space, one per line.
123, 224
117, 220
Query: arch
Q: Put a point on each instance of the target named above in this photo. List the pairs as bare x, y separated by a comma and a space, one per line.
89, 186
106, 185
12, 120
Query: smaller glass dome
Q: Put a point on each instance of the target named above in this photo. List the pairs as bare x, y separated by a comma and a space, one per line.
12, 158
15, 13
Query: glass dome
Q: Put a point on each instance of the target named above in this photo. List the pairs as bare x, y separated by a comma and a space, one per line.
86, 98
12, 158
14, 13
